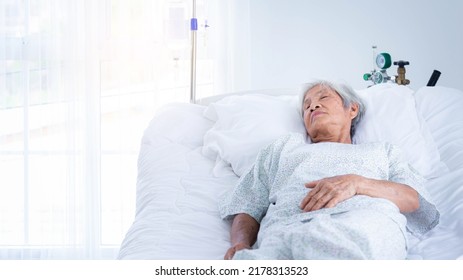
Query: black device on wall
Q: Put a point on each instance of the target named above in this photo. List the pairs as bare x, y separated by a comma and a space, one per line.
434, 77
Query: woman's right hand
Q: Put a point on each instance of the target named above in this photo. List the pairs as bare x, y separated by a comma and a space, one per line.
243, 235
232, 250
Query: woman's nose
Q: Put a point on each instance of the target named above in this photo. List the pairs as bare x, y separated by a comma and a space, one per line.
313, 107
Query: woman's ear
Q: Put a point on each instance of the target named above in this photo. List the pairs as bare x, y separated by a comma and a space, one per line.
354, 110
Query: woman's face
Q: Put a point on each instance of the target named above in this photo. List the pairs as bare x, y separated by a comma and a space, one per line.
325, 118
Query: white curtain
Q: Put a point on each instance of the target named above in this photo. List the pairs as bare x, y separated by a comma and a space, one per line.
50, 121
79, 82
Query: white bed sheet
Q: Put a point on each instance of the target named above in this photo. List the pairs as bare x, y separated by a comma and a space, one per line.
441, 107
176, 212
177, 215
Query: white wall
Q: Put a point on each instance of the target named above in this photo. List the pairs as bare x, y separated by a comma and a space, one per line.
291, 41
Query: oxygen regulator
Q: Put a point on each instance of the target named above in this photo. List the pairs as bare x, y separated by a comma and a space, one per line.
383, 62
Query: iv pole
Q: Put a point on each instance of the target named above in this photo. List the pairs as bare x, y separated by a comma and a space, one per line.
193, 28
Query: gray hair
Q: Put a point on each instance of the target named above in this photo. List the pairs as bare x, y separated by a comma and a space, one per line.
347, 94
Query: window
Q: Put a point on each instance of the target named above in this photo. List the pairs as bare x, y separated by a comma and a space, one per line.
79, 82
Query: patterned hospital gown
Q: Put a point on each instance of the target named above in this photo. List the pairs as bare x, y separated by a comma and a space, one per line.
361, 227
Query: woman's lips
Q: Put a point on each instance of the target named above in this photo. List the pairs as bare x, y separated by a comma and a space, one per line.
315, 114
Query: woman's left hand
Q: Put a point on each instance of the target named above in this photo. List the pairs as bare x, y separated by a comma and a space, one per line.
328, 192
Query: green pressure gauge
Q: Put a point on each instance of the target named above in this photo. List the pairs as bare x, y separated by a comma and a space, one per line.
379, 74
383, 60
377, 77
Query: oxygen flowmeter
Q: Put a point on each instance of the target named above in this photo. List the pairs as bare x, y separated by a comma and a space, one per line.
379, 74
383, 62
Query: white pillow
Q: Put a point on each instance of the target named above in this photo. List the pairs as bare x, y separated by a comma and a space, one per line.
441, 108
180, 123
391, 116
246, 124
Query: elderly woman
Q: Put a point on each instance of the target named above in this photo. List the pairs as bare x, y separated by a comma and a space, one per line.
323, 197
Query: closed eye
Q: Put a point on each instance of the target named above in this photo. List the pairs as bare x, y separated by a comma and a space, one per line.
306, 105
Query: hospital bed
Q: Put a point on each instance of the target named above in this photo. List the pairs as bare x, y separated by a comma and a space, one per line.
191, 154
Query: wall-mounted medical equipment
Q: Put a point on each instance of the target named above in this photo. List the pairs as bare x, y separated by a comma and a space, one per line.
433, 79
379, 74
400, 78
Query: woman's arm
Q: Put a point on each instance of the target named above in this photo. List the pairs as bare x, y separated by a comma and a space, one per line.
243, 234
405, 197
330, 191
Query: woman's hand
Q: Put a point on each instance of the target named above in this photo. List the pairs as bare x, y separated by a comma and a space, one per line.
328, 192
243, 234
232, 250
